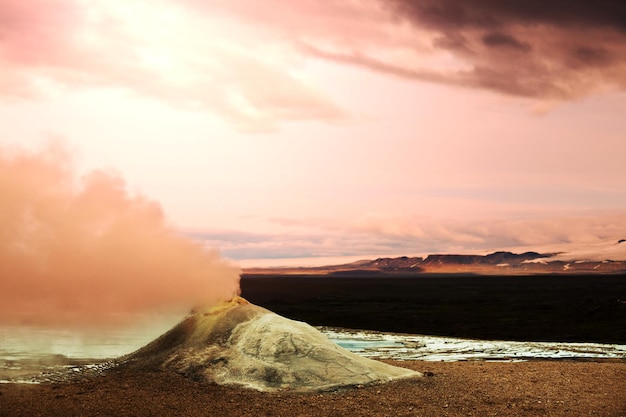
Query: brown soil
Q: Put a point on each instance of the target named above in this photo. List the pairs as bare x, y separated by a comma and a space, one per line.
542, 388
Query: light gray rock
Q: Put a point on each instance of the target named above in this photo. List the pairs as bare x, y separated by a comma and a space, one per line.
238, 343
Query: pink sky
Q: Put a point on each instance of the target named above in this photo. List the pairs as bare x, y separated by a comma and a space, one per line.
306, 129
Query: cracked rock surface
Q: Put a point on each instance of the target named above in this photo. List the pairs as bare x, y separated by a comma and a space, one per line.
238, 343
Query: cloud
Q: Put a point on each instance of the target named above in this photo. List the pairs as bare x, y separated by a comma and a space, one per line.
159, 50
373, 235
494, 233
504, 40
246, 61
87, 252
453, 15
548, 51
321, 243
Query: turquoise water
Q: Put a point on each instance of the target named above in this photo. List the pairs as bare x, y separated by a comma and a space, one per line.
27, 351
432, 348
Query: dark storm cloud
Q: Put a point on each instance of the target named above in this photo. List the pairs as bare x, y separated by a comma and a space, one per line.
549, 51
489, 14
503, 40
591, 56
554, 51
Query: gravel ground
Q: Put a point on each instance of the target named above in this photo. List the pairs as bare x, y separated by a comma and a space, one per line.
536, 388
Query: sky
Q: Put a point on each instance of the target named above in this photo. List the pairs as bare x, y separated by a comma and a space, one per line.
320, 129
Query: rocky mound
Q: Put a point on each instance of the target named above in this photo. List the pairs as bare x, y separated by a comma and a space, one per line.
238, 343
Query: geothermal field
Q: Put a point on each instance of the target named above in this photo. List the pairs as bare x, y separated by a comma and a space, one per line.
435, 345
312, 208
108, 310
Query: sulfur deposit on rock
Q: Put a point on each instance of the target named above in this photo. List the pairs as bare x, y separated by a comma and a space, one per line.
238, 343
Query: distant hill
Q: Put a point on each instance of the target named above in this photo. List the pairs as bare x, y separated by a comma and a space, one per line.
496, 263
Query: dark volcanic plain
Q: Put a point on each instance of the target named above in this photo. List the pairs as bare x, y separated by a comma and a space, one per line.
572, 308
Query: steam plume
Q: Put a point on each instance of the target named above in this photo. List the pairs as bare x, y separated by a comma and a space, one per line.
89, 252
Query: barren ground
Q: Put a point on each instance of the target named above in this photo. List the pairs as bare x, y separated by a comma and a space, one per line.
452, 389
572, 308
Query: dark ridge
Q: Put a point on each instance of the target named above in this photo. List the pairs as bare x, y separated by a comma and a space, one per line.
490, 259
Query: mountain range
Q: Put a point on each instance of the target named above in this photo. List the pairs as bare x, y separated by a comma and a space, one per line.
496, 263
